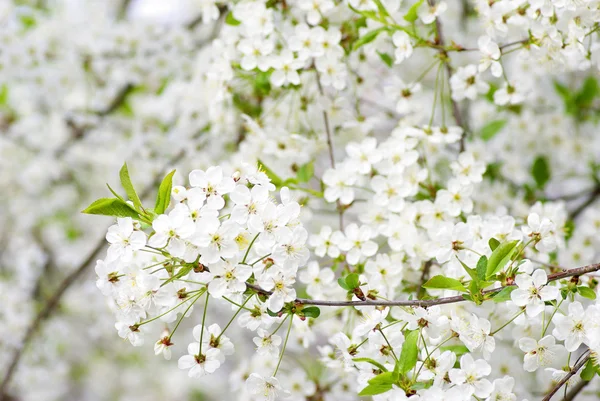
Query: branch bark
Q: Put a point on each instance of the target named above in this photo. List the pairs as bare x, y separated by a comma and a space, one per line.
568, 376
428, 302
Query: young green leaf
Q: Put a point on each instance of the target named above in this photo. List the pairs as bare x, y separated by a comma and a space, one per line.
540, 170
408, 356
305, 172
471, 272
374, 389
589, 90
128, 186
367, 38
386, 58
500, 257
311, 311
411, 15
352, 281
111, 207
588, 371
372, 362
275, 179
586, 292
493, 243
482, 267
490, 130
163, 198
504, 294
342, 282
230, 20
445, 283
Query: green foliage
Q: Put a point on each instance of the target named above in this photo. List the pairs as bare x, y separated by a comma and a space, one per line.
306, 172
540, 171
500, 257
230, 20
490, 130
350, 282
311, 311
586, 292
163, 197
588, 372
408, 356
368, 38
578, 103
111, 207
482, 268
504, 294
386, 58
444, 283
380, 384
275, 179
372, 362
128, 186
493, 243
411, 15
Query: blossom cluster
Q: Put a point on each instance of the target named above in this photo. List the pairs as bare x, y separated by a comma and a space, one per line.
435, 165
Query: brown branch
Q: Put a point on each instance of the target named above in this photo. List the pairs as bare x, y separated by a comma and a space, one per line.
340, 207
50, 307
428, 302
568, 376
591, 199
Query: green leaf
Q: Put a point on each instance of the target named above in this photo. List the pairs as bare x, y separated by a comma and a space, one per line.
587, 93
384, 378
230, 20
275, 179
342, 282
163, 198
500, 257
490, 130
128, 186
111, 207
540, 170
482, 267
386, 58
4, 95
445, 283
493, 243
112, 191
382, 11
408, 356
471, 272
589, 371
306, 172
374, 389
504, 294
411, 15
352, 281
367, 38
311, 311
457, 349
586, 292
372, 362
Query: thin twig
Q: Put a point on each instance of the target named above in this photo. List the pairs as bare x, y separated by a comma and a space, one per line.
591, 199
330, 146
439, 39
428, 302
568, 376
